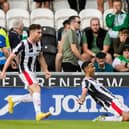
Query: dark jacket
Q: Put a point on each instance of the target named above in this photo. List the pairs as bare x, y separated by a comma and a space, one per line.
100, 39
14, 38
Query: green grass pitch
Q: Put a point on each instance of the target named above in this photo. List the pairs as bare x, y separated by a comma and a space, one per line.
61, 124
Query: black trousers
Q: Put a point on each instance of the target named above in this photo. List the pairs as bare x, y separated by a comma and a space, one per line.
73, 4
68, 67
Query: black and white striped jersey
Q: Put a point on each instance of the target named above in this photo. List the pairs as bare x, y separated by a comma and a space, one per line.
98, 92
28, 53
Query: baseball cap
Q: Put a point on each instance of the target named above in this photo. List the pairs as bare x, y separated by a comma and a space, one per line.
101, 55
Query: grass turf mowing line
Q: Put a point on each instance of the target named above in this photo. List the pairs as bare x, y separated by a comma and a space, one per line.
61, 124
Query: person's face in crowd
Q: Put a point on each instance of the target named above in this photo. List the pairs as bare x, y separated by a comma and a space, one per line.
4, 5
77, 23
126, 53
123, 36
36, 34
101, 62
117, 6
90, 70
95, 25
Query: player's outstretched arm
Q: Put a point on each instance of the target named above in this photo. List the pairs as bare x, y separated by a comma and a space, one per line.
6, 65
83, 96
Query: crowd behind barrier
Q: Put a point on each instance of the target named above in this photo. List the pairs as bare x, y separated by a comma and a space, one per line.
69, 79
52, 20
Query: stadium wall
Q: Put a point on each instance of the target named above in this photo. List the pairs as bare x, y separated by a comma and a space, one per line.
60, 99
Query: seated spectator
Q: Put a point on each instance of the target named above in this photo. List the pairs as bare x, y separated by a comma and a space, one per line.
5, 49
43, 3
25, 33
118, 44
117, 19
77, 6
97, 39
121, 63
15, 34
66, 26
60, 37
4, 5
100, 5
101, 65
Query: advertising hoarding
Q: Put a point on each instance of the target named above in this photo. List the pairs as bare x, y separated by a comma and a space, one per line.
61, 102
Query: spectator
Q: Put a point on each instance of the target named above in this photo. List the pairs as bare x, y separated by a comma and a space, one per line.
58, 59
118, 44
25, 33
4, 47
101, 65
117, 19
97, 39
71, 47
78, 6
100, 5
15, 34
121, 63
4, 5
66, 26
43, 3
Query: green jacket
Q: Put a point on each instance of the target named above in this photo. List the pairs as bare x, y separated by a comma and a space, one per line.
117, 21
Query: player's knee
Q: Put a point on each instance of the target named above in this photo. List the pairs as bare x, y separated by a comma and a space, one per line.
35, 88
125, 116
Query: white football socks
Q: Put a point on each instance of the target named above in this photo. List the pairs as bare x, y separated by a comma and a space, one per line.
37, 102
112, 118
22, 98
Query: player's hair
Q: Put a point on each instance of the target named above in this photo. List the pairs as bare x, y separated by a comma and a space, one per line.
35, 27
85, 64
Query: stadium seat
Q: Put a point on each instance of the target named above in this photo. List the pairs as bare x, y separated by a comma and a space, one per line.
91, 4
49, 46
13, 14
42, 16
2, 19
32, 5
60, 4
62, 15
23, 4
87, 14
106, 5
